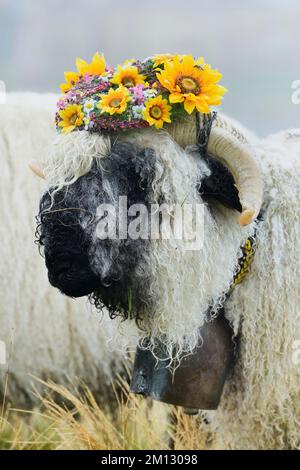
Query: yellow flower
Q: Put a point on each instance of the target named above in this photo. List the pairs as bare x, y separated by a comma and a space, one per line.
72, 117
160, 59
195, 86
128, 62
115, 101
157, 112
96, 67
127, 76
71, 78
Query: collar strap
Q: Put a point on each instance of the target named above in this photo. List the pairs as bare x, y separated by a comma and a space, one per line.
203, 129
245, 261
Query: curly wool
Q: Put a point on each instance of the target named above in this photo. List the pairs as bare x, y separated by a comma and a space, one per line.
78, 261
261, 401
72, 155
186, 283
171, 286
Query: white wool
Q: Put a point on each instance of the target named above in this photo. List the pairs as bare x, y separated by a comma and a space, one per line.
72, 155
47, 334
261, 401
185, 283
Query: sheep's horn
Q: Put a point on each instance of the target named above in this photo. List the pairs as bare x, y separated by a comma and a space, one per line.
36, 168
230, 146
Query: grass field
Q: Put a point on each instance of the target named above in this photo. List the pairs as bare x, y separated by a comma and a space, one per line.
136, 423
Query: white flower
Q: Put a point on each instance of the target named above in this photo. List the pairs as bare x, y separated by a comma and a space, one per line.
128, 63
137, 111
105, 79
88, 106
150, 93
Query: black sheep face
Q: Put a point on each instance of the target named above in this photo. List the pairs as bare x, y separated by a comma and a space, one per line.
112, 271
78, 262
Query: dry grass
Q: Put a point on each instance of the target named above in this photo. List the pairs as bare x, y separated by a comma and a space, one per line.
136, 423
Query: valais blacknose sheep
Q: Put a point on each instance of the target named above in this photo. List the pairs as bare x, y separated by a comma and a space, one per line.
46, 334
249, 188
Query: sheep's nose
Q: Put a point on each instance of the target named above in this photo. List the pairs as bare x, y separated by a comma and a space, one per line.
72, 276
106, 281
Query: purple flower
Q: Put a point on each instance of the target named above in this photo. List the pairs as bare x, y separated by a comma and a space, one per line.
87, 78
61, 104
71, 95
138, 93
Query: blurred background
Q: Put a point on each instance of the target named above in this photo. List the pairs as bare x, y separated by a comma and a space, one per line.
255, 44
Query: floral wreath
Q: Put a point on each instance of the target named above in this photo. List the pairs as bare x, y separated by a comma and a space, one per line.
137, 94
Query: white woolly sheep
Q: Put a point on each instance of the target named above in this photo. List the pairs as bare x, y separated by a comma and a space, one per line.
172, 289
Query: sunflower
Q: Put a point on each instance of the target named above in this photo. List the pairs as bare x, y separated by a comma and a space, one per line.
157, 112
160, 59
71, 117
96, 67
191, 83
128, 76
71, 79
115, 101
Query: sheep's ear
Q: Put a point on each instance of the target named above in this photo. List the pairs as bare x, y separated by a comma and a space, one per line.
219, 185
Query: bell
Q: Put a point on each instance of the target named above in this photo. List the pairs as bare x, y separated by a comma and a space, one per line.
198, 381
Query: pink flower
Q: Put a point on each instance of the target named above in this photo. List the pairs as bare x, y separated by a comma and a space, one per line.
138, 93
61, 104
109, 70
87, 78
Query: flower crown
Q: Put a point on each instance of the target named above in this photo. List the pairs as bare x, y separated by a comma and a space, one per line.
152, 92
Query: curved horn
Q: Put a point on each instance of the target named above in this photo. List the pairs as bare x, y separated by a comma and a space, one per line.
36, 168
228, 145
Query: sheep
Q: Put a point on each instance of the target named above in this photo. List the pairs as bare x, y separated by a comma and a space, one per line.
168, 290
46, 335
